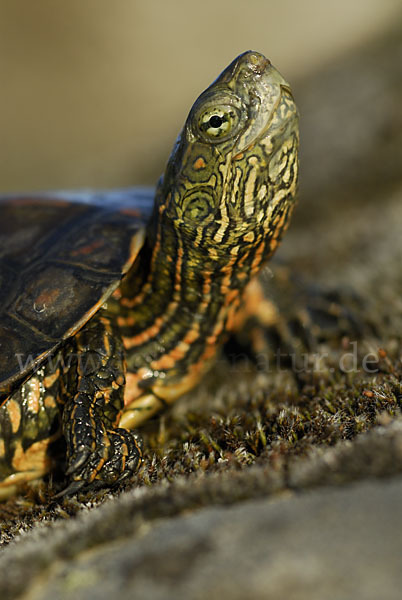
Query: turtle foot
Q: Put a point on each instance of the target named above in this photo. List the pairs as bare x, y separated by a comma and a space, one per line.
116, 458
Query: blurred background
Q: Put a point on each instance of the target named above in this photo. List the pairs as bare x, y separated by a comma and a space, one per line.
93, 92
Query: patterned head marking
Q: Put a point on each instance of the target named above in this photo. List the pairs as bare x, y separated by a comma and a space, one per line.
231, 181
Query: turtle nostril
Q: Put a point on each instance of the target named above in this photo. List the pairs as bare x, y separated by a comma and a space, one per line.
257, 62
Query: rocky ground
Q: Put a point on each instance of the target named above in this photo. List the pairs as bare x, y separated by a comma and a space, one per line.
263, 484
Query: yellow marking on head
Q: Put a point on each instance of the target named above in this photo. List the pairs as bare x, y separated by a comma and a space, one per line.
278, 197
224, 221
250, 187
236, 185
262, 192
286, 175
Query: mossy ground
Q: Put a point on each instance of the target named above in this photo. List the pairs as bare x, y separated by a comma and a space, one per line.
240, 417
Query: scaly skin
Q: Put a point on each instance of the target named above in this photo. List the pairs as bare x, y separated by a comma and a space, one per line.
220, 211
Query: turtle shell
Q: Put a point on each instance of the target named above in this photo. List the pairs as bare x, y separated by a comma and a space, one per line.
61, 256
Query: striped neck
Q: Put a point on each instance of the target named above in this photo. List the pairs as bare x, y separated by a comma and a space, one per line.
177, 304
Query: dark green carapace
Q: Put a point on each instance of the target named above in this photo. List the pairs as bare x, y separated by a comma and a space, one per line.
114, 304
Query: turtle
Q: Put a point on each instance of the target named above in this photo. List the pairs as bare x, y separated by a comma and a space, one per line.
115, 303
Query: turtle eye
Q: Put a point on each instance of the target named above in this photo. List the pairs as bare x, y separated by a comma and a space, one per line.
218, 122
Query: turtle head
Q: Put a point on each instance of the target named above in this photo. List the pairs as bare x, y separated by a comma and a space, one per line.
230, 183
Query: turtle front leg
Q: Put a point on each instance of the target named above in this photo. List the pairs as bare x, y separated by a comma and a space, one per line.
256, 316
97, 450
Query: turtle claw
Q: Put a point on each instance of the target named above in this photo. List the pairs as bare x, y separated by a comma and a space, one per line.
78, 462
72, 488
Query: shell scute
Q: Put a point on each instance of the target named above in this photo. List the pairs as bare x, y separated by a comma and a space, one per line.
60, 259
